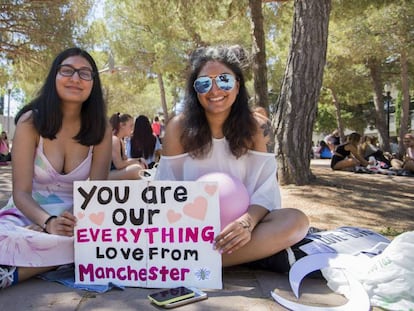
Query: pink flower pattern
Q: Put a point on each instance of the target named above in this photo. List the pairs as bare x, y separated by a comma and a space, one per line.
23, 247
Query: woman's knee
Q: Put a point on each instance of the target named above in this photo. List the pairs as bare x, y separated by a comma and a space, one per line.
294, 222
300, 222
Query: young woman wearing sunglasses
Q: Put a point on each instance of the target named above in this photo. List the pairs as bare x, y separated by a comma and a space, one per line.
217, 132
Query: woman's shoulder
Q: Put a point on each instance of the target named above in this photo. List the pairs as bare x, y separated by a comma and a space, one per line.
351, 147
26, 117
25, 124
263, 132
25, 133
116, 142
177, 120
175, 126
171, 142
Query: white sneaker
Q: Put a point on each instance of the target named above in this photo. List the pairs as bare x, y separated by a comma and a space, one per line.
6, 276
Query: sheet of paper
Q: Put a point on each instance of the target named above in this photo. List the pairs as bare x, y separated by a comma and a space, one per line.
358, 299
343, 240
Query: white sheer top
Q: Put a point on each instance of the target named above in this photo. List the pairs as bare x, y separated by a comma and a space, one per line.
256, 170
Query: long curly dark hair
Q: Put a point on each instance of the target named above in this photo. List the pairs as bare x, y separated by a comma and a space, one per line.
47, 113
142, 140
240, 126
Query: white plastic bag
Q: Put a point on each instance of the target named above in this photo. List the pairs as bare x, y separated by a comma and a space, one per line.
389, 281
388, 278
148, 174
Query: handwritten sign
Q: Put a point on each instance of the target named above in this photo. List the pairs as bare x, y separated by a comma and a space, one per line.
154, 234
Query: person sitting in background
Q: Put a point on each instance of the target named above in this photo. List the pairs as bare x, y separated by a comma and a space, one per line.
394, 147
407, 163
323, 151
143, 143
333, 140
369, 148
121, 167
347, 156
5, 155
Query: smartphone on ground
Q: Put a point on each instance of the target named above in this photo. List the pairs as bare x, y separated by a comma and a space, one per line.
175, 297
198, 295
171, 295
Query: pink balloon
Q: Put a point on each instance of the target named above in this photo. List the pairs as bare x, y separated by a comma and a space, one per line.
233, 196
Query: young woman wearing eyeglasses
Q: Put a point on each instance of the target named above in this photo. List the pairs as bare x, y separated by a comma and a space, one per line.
61, 136
217, 132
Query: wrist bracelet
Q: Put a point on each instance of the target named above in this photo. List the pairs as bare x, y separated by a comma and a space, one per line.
46, 222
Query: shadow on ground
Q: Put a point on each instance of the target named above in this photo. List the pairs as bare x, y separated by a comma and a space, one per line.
378, 202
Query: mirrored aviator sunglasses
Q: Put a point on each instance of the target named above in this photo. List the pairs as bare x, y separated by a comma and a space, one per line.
224, 82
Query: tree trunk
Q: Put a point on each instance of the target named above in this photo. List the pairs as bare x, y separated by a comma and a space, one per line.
380, 122
338, 115
162, 93
259, 54
405, 111
295, 113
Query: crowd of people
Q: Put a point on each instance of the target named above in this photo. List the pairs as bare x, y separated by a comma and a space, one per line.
63, 135
362, 154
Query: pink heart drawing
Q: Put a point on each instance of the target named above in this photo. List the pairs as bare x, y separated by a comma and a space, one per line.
210, 189
81, 215
196, 210
97, 218
173, 216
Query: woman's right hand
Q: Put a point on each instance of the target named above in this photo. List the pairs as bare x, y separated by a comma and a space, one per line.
233, 237
62, 225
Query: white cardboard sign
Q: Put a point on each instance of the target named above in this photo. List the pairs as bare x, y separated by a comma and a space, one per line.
154, 234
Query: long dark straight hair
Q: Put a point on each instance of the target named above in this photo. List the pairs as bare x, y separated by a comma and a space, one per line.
47, 112
142, 140
240, 126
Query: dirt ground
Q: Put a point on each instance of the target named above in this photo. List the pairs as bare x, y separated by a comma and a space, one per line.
378, 202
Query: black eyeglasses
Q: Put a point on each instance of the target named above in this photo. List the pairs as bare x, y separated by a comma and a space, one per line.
225, 82
83, 73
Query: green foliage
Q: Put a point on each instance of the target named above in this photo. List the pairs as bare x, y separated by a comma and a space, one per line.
32, 33
360, 30
278, 24
147, 38
326, 120
151, 38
